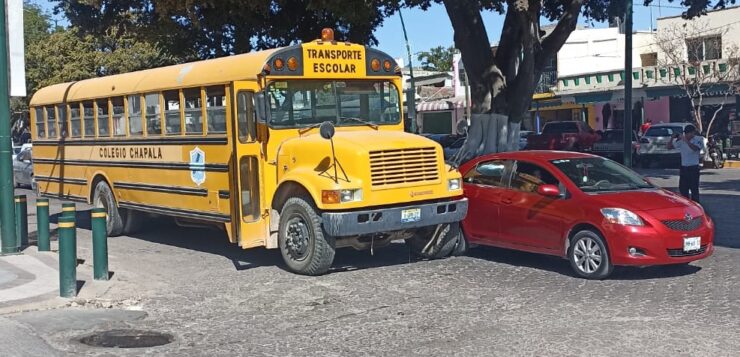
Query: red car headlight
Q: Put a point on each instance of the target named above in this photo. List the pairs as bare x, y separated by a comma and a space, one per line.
622, 217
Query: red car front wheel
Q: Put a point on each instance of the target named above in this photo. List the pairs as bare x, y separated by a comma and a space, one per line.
589, 256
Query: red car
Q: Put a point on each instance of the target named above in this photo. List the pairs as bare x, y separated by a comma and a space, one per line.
588, 209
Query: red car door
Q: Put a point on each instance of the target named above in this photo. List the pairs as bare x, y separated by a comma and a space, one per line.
483, 187
530, 219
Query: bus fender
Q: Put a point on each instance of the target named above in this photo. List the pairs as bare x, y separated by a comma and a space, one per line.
94, 179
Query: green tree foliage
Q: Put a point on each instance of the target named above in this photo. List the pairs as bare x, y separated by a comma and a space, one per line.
437, 59
209, 28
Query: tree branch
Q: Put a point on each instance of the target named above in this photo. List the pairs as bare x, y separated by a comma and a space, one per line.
552, 43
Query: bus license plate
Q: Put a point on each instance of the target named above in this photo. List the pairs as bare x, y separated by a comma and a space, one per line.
691, 244
411, 215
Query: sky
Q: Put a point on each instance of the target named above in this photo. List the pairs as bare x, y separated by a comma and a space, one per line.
432, 28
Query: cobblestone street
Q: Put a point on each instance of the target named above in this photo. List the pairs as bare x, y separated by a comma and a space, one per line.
219, 300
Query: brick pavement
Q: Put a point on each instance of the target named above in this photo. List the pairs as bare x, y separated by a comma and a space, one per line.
221, 301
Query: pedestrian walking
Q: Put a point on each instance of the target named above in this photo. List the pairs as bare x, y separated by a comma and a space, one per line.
690, 145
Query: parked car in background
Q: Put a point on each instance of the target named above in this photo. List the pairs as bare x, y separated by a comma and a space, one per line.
611, 145
23, 168
654, 144
451, 143
585, 208
564, 135
524, 138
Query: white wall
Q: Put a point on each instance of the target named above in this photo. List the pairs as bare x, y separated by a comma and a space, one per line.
726, 22
599, 50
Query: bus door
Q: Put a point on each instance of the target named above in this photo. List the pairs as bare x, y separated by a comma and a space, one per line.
251, 227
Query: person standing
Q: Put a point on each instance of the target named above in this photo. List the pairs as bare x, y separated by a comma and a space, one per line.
690, 145
645, 126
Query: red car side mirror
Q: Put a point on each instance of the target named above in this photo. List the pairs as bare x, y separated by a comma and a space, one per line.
548, 190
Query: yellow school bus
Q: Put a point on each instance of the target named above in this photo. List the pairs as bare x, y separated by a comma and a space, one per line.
299, 148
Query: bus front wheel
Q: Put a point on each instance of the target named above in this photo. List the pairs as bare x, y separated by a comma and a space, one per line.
103, 198
304, 245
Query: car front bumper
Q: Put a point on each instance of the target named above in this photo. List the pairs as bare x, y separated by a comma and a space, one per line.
656, 245
353, 223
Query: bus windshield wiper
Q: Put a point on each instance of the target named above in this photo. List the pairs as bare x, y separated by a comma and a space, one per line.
359, 120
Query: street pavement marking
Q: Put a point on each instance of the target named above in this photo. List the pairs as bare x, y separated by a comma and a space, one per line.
45, 278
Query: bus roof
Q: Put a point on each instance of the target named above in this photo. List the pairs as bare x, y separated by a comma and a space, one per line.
200, 73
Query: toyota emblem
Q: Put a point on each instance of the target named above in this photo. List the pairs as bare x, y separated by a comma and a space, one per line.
688, 217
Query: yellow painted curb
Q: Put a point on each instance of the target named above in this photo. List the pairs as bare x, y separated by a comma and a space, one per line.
732, 164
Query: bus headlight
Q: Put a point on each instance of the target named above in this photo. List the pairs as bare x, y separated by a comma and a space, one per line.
341, 196
453, 184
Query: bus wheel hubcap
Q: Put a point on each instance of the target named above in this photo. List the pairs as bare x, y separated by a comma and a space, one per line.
297, 238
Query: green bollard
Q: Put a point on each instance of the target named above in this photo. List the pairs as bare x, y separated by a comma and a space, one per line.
100, 243
68, 210
42, 224
21, 221
67, 257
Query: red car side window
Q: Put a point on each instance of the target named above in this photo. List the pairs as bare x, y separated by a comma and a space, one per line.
488, 173
528, 177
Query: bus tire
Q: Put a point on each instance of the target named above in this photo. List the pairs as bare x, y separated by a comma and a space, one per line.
103, 198
449, 235
305, 247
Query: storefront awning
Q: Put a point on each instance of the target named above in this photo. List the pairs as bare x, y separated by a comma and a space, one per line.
593, 97
440, 105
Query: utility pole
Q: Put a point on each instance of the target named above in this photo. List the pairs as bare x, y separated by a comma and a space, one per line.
411, 94
7, 209
628, 84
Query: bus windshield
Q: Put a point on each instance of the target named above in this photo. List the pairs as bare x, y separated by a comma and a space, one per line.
300, 103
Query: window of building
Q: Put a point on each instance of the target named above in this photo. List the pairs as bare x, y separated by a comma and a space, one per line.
704, 48
103, 118
135, 126
40, 123
88, 119
173, 122
153, 114
75, 120
193, 111
119, 116
216, 109
649, 59
51, 122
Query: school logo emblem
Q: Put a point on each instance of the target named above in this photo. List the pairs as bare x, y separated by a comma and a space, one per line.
198, 166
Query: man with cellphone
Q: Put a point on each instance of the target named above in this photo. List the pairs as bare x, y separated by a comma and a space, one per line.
690, 145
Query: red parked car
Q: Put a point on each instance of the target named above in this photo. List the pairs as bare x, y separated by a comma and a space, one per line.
564, 135
588, 209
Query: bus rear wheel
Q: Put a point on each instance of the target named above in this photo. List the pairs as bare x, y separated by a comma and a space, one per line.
305, 247
103, 198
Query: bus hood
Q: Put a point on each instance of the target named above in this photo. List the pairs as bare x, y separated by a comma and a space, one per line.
366, 141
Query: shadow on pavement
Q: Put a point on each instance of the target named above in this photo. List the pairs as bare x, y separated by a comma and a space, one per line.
212, 241
561, 266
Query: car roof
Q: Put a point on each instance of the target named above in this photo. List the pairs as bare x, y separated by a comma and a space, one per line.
669, 124
537, 155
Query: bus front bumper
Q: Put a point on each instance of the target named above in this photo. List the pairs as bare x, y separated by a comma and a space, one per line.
381, 220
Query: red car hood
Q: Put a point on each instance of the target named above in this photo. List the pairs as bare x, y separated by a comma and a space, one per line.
645, 200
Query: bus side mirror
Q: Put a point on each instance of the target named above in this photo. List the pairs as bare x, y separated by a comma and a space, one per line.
260, 106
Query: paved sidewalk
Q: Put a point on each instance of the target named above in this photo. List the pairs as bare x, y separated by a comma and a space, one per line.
28, 277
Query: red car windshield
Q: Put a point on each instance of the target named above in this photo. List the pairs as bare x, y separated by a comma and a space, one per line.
600, 175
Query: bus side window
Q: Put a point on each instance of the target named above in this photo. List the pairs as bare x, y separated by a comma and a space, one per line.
119, 116
216, 109
193, 111
88, 119
63, 120
134, 115
153, 115
172, 119
250, 189
51, 122
40, 123
74, 120
103, 118
246, 123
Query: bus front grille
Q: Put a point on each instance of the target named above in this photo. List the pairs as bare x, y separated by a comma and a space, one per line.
403, 167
